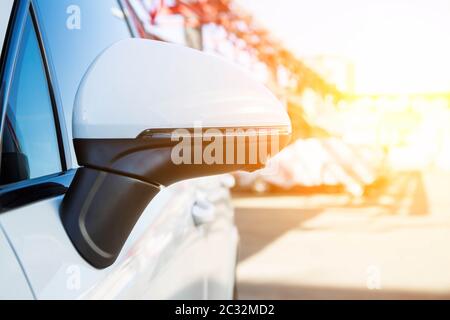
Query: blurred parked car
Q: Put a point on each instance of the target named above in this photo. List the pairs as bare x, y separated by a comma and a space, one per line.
318, 165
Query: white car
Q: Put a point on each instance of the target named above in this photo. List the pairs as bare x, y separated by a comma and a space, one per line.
93, 204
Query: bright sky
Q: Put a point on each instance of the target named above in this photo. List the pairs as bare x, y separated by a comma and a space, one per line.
396, 46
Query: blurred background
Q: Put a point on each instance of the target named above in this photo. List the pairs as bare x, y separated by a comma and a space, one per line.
358, 206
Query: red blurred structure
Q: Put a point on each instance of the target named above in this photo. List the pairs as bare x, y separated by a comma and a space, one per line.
241, 29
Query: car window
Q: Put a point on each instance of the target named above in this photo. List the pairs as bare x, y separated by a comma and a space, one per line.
5, 12
29, 143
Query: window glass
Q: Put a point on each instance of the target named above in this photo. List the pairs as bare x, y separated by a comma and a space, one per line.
29, 143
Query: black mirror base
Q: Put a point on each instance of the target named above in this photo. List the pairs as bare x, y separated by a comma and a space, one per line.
100, 210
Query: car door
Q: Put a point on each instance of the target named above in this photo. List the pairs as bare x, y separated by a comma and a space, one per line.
165, 255
216, 212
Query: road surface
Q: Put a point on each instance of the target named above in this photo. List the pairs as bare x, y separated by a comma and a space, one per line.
392, 244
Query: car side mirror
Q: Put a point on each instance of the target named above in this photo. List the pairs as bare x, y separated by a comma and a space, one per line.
149, 114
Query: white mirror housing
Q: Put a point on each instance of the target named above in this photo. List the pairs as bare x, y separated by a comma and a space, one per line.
139, 84
148, 114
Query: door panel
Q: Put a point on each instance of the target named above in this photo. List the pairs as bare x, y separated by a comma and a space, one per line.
222, 241
162, 259
221, 237
13, 284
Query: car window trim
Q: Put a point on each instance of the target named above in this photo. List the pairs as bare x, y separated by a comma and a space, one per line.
5, 45
63, 137
22, 193
51, 92
15, 195
12, 45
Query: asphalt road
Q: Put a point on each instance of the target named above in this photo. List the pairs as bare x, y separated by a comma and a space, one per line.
392, 244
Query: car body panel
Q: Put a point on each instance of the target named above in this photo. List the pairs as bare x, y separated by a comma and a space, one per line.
13, 283
221, 236
161, 259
